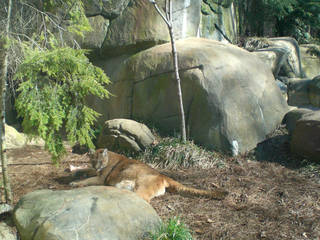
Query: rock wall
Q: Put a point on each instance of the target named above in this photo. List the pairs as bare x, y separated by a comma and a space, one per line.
215, 16
132, 26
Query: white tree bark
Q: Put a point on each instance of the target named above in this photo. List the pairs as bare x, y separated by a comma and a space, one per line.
3, 89
167, 17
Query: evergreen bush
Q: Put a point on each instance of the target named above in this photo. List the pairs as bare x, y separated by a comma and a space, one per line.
55, 84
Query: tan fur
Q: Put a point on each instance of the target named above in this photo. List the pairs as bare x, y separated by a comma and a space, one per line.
117, 170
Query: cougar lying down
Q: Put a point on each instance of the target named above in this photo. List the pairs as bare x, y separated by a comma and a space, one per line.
117, 170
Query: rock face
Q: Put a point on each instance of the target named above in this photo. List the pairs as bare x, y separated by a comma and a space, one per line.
140, 26
306, 136
125, 135
298, 91
314, 91
273, 57
281, 54
15, 139
310, 60
218, 14
6, 232
293, 116
132, 26
109, 9
93, 213
230, 97
292, 66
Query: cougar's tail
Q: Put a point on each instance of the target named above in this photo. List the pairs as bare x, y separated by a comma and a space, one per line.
174, 186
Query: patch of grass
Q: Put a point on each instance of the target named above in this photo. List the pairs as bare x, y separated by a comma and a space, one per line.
174, 229
171, 153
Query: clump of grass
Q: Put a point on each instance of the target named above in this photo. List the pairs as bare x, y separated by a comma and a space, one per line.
174, 229
171, 153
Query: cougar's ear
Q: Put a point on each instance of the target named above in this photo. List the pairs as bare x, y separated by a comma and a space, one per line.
105, 152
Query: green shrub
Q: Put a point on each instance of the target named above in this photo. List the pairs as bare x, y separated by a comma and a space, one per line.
174, 229
51, 97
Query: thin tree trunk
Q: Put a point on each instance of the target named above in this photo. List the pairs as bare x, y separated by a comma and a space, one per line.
168, 20
4, 162
179, 92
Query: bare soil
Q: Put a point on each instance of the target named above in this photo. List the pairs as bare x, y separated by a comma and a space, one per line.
267, 200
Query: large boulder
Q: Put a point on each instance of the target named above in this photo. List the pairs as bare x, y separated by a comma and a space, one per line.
15, 139
230, 97
94, 213
310, 59
306, 136
125, 135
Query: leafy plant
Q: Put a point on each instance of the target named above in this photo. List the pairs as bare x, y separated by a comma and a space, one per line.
174, 229
74, 12
52, 96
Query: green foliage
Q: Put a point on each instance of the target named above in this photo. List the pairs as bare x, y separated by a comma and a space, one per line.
52, 95
279, 8
74, 9
171, 153
174, 229
295, 17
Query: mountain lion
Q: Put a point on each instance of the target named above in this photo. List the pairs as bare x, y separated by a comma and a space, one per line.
117, 170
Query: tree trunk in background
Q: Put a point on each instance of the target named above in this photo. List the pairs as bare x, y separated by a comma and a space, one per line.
4, 67
168, 20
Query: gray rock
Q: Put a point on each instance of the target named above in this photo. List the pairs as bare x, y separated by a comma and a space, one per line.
91, 40
229, 94
15, 139
314, 91
305, 139
94, 213
125, 135
274, 57
109, 9
284, 89
95, 39
292, 67
140, 26
298, 91
291, 118
6, 232
310, 60
287, 59
221, 14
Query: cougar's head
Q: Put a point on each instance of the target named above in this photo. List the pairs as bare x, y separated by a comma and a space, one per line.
99, 158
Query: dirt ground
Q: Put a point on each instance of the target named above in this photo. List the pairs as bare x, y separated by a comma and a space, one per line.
267, 200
